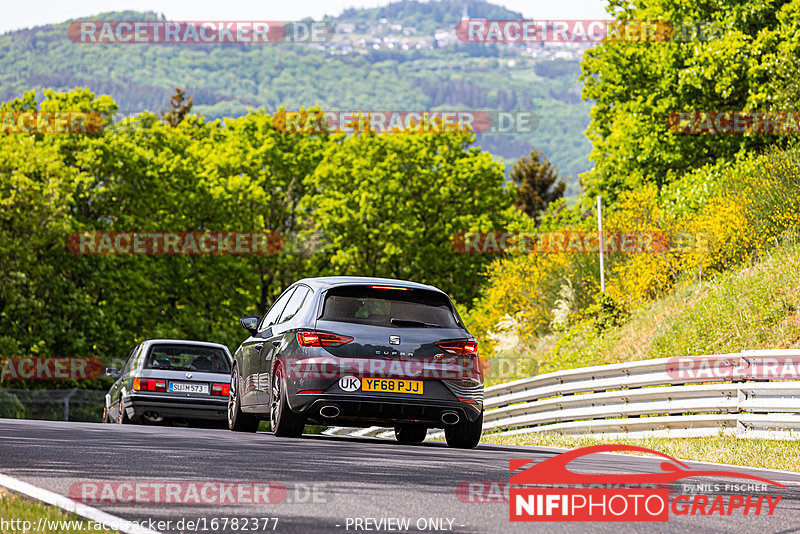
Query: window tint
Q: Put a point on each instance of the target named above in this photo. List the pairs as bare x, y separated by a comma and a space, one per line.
294, 304
275, 311
388, 307
188, 358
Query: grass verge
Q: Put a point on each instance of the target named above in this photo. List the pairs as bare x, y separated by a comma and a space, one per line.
16, 511
771, 454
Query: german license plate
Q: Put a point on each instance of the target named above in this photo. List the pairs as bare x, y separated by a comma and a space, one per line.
392, 385
188, 387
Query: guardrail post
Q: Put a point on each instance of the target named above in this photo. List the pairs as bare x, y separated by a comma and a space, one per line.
66, 403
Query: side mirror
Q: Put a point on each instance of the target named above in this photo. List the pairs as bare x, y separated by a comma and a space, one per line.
250, 324
112, 372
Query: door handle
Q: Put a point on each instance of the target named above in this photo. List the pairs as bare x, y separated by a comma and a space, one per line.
259, 347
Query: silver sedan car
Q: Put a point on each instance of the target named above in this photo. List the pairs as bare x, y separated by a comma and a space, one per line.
168, 380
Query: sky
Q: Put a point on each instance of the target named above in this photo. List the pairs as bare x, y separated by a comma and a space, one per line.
22, 14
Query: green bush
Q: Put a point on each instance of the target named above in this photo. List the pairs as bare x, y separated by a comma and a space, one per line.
10, 406
774, 193
606, 313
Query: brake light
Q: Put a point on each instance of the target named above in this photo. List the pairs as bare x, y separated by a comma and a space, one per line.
149, 384
220, 388
459, 348
311, 338
390, 287
308, 339
466, 353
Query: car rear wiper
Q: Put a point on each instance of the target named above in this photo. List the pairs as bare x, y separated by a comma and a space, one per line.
409, 322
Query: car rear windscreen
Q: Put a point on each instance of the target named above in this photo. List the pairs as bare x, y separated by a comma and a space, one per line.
188, 358
388, 307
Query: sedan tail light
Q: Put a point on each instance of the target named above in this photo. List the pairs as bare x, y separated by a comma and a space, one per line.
220, 388
149, 384
311, 338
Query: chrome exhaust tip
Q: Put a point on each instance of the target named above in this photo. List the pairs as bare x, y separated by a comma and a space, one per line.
329, 411
450, 418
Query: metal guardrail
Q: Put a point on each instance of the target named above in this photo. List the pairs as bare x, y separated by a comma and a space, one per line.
647, 398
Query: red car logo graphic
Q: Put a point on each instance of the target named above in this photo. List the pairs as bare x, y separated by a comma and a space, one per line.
554, 470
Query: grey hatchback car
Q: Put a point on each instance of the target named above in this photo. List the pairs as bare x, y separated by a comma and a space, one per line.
170, 380
357, 351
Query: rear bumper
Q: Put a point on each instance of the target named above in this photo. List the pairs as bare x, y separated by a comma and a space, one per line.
379, 411
210, 409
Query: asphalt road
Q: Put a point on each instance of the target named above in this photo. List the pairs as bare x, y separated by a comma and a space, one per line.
337, 480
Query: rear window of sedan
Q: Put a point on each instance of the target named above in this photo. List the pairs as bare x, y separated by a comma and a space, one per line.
188, 358
388, 307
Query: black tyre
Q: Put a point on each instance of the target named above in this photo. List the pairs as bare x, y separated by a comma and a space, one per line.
410, 433
465, 434
238, 421
285, 423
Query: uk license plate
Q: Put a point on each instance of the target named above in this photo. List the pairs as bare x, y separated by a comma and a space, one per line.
392, 385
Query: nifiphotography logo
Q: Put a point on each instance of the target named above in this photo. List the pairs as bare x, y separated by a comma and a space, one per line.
549, 491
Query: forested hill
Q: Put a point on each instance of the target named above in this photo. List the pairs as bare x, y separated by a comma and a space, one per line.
402, 56
428, 16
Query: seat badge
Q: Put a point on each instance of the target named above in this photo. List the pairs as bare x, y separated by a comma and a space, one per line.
394, 340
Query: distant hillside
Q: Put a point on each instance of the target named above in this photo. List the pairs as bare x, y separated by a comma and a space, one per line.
390, 58
428, 16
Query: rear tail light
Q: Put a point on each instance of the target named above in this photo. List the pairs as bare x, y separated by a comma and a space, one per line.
311, 338
465, 352
220, 388
149, 384
459, 348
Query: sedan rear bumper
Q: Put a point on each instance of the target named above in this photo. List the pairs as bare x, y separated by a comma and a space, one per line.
210, 409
